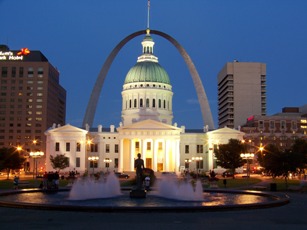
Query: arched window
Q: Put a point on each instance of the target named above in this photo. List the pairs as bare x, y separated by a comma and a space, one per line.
135, 103
147, 103
164, 104
154, 103
130, 104
141, 102
159, 103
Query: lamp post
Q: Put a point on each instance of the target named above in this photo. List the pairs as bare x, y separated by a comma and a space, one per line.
35, 155
93, 159
107, 161
197, 160
247, 157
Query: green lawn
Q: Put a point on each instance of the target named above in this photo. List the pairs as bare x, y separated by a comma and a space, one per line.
231, 183
31, 183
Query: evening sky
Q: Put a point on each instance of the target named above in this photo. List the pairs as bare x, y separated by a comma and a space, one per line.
77, 37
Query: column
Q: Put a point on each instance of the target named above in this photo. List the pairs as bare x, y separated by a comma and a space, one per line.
210, 156
121, 156
177, 155
143, 152
166, 156
154, 155
131, 155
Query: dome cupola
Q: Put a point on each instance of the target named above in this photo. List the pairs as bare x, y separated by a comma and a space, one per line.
147, 92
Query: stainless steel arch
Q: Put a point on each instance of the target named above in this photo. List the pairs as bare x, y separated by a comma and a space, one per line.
202, 97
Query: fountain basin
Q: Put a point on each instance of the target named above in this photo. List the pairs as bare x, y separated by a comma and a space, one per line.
214, 200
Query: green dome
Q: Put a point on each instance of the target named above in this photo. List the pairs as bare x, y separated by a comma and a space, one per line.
147, 71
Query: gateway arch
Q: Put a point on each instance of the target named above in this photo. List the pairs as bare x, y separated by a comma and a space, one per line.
201, 94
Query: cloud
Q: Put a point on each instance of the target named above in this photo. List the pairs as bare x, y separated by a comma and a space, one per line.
192, 101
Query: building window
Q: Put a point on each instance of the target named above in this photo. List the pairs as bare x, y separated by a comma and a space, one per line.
148, 146
260, 125
30, 72
187, 163
135, 103
137, 145
4, 72
293, 125
67, 146
164, 104
78, 147
78, 162
116, 148
272, 124
159, 103
40, 71
200, 149
116, 163
57, 146
141, 102
107, 148
93, 164
186, 148
283, 125
94, 148
154, 103
147, 103
200, 164
107, 162
160, 146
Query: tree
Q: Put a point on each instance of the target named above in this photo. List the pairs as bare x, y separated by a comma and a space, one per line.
228, 155
10, 159
60, 161
281, 163
300, 148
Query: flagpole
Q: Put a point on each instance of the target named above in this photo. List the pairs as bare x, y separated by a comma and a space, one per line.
148, 9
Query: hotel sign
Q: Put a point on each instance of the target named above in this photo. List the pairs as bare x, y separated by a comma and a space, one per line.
13, 55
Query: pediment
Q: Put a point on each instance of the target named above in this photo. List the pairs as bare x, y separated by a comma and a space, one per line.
66, 129
225, 131
148, 125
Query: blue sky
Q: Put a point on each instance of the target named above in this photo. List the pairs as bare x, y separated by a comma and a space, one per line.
77, 37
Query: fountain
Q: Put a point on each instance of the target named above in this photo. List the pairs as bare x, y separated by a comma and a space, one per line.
89, 188
168, 194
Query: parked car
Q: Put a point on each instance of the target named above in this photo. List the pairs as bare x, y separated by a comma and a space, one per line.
228, 173
122, 175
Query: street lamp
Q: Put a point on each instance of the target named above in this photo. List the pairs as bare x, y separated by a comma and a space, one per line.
93, 159
107, 161
35, 155
197, 160
247, 157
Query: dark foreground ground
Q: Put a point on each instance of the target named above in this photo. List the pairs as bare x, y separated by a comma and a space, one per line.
290, 216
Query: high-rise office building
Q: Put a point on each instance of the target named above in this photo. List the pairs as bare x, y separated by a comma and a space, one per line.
31, 98
241, 92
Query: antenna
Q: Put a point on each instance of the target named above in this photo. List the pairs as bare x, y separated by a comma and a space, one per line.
148, 9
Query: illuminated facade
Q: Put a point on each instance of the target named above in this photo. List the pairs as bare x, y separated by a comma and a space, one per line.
146, 127
280, 129
31, 99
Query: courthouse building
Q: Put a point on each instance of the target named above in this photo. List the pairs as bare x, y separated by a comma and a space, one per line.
146, 127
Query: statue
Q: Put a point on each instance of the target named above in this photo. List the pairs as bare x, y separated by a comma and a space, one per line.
138, 192
139, 166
